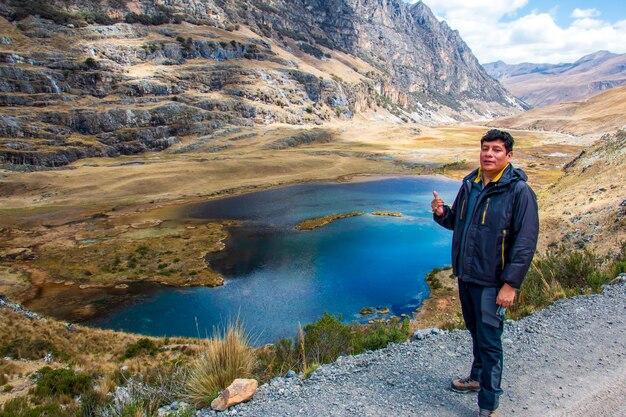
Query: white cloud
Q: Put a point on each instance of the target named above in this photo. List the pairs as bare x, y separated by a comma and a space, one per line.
496, 29
585, 13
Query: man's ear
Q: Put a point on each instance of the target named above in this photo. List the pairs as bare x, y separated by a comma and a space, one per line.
510, 154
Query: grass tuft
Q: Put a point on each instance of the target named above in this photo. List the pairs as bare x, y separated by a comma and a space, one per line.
225, 358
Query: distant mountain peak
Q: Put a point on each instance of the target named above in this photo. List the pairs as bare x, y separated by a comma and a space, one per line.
596, 56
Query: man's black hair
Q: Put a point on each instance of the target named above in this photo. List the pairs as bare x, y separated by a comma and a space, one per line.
495, 134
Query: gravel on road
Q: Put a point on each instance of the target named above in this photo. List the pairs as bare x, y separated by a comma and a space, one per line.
566, 360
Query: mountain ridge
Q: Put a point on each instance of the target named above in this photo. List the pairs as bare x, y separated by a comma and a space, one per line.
94, 78
544, 84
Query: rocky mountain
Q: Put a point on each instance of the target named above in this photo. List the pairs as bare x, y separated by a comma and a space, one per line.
543, 84
82, 78
602, 113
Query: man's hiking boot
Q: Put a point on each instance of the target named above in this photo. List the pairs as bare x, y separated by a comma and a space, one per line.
488, 413
465, 385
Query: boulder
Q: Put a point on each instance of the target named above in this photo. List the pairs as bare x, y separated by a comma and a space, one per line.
423, 333
239, 391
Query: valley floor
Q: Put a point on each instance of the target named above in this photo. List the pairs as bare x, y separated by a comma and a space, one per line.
103, 210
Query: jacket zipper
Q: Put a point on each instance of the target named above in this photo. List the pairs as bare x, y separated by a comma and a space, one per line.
485, 212
503, 240
467, 191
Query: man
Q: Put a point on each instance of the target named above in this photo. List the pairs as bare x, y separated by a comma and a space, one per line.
495, 223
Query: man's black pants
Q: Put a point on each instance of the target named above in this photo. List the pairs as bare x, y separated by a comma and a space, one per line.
479, 312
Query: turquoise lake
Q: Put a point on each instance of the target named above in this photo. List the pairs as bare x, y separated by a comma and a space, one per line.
277, 276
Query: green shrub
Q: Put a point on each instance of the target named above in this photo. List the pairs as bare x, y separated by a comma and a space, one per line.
121, 377
569, 268
327, 339
46, 10
431, 278
618, 262
563, 272
596, 279
266, 7
142, 346
379, 335
142, 250
56, 382
157, 19
131, 262
19, 407
292, 34
99, 18
324, 341
320, 40
91, 63
279, 358
452, 165
91, 403
311, 50
28, 349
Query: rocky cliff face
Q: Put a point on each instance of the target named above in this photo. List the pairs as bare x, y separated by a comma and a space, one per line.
90, 78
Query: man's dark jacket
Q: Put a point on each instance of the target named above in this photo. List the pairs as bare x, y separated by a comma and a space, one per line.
502, 234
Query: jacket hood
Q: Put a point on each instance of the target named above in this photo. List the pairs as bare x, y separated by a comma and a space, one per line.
511, 174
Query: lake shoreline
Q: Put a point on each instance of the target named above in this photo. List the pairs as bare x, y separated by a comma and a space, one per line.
147, 227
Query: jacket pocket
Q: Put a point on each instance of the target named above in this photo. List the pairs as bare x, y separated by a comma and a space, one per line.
485, 211
489, 308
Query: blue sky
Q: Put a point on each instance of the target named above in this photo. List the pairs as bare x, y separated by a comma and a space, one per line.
612, 11
540, 31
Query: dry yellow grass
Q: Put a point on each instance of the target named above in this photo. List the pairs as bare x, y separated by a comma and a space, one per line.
594, 116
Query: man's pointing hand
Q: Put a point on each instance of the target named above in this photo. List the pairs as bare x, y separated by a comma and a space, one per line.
437, 205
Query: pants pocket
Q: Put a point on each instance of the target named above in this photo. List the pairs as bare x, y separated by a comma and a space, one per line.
488, 307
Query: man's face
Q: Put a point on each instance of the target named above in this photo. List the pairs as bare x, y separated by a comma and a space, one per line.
494, 157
